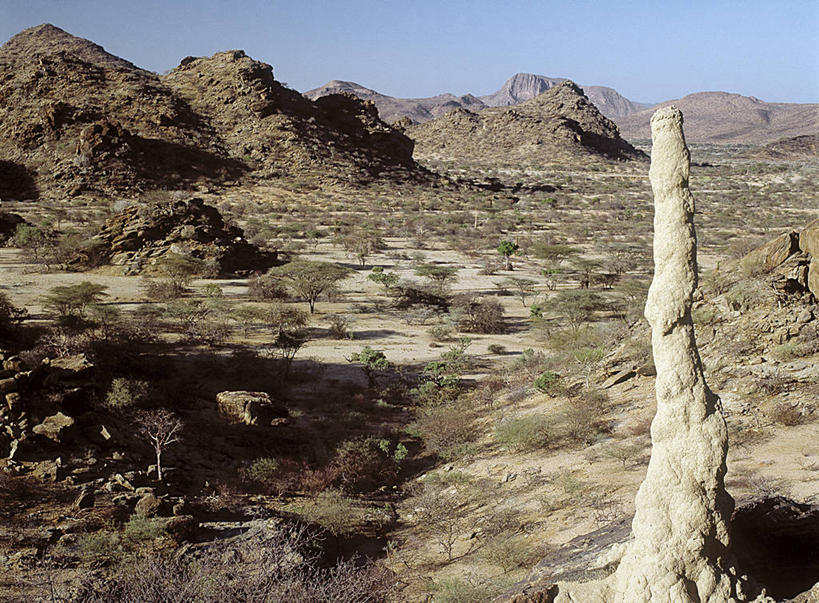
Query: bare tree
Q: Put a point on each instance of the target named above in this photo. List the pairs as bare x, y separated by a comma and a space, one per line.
162, 428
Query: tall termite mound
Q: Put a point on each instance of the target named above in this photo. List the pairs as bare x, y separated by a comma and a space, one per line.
680, 551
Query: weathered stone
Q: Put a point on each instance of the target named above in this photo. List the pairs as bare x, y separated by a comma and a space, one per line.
13, 363
251, 408
813, 276
809, 239
619, 377
77, 363
774, 252
148, 505
680, 551
57, 427
8, 385
181, 527
85, 499
14, 401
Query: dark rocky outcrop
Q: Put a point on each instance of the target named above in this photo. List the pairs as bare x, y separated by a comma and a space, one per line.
141, 234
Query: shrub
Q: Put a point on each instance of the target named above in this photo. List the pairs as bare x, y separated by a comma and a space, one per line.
477, 315
549, 383
163, 289
525, 433
495, 348
446, 431
339, 327
364, 464
263, 472
99, 546
264, 288
440, 332
125, 394
786, 414
138, 529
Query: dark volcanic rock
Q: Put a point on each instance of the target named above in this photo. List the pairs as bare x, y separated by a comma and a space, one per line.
140, 234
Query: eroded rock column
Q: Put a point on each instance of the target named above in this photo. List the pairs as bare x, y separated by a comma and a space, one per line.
680, 552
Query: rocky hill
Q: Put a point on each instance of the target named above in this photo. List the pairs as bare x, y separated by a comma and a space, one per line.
517, 89
797, 147
75, 118
557, 125
721, 117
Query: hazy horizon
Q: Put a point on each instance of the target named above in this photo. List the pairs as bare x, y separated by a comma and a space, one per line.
646, 51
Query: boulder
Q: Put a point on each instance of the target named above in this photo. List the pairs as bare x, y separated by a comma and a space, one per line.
57, 428
813, 276
148, 505
773, 253
250, 408
181, 527
809, 239
85, 499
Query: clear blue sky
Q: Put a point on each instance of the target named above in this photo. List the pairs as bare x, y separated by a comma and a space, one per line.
649, 50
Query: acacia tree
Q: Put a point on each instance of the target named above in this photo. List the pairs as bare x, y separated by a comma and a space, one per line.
309, 279
69, 300
162, 428
523, 287
507, 249
441, 276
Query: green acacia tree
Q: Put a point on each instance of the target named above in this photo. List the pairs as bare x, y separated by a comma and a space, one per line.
507, 249
371, 361
441, 276
67, 300
309, 279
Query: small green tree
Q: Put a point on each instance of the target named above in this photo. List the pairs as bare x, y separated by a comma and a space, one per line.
179, 269
309, 279
67, 300
388, 280
577, 306
441, 276
522, 287
507, 249
371, 361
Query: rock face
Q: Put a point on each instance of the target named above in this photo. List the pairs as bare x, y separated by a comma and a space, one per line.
560, 124
140, 234
680, 552
250, 408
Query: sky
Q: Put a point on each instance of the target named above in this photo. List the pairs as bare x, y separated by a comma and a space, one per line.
648, 50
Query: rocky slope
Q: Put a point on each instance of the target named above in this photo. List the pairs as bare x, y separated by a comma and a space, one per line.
557, 125
720, 117
75, 118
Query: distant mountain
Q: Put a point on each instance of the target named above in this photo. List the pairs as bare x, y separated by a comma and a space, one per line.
524, 86
517, 89
75, 118
722, 117
559, 125
392, 109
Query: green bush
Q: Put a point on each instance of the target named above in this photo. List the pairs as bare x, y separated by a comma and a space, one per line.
524, 433
549, 383
139, 529
126, 393
263, 471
